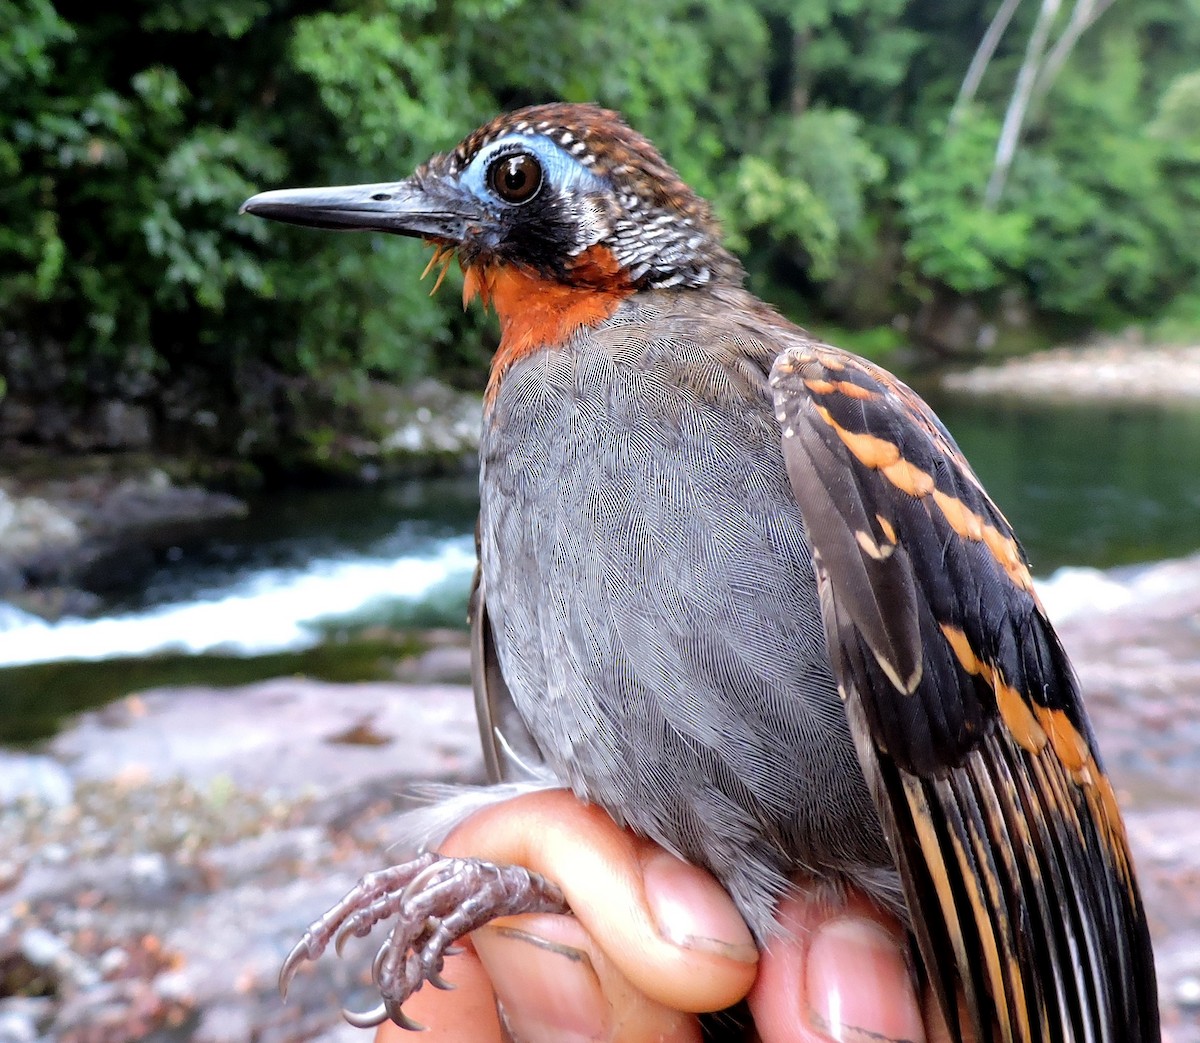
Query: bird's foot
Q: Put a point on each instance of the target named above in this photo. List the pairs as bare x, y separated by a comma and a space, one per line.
435, 901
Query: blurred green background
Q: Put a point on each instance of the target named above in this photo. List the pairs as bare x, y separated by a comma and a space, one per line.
846, 145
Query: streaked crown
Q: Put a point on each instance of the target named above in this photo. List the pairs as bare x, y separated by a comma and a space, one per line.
562, 178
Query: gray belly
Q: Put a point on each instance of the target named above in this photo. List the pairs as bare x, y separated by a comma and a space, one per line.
656, 618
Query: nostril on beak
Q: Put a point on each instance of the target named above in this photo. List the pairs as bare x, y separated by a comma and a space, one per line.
381, 197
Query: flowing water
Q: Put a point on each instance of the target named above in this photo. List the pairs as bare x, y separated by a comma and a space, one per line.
321, 582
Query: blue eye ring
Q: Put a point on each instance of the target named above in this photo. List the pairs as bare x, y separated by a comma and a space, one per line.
515, 177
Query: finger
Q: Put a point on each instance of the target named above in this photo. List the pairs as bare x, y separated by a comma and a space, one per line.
841, 973
669, 927
468, 1012
555, 985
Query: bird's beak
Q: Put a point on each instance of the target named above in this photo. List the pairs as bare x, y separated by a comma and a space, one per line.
427, 209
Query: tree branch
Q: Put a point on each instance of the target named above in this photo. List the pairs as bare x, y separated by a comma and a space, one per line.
980, 61
1083, 16
1018, 105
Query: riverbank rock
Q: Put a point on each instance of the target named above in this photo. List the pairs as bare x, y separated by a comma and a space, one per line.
159, 857
201, 832
1116, 371
73, 522
1137, 653
83, 526
423, 427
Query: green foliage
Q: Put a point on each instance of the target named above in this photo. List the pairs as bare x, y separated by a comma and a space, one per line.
125, 213
1113, 203
1180, 323
29, 30
952, 237
1177, 120
802, 195
768, 201
818, 128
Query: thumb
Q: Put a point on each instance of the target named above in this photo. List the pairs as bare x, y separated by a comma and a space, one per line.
840, 971
667, 926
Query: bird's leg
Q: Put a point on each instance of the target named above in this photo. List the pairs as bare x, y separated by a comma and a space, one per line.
435, 901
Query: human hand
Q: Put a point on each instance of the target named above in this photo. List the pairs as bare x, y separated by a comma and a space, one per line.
653, 941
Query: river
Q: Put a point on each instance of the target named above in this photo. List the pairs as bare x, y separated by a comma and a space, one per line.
321, 581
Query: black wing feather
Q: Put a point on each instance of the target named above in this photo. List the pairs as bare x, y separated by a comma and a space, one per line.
967, 717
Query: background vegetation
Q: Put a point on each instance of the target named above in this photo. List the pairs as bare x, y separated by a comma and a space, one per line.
854, 173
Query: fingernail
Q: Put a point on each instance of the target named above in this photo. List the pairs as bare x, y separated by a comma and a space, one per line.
547, 992
858, 985
690, 912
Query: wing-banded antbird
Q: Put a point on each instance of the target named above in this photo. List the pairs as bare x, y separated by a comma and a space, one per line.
740, 588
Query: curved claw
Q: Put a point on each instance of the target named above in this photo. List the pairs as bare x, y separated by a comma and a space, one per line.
367, 1019
291, 964
433, 901
438, 982
380, 956
405, 1022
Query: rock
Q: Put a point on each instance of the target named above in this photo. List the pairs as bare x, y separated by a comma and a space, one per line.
123, 425
422, 426
18, 421
277, 738
34, 778
90, 529
1138, 660
30, 525
21, 1016
1117, 370
205, 829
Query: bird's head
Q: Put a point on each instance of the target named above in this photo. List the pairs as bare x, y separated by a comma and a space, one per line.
568, 194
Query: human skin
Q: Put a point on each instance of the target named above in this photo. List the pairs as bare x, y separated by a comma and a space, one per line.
654, 940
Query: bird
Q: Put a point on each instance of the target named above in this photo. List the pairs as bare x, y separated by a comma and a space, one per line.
740, 588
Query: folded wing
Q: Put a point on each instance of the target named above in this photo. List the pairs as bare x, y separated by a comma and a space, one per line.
967, 717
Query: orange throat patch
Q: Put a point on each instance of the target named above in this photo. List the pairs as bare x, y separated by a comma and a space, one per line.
536, 312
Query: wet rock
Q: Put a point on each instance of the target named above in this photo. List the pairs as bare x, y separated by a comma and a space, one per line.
65, 536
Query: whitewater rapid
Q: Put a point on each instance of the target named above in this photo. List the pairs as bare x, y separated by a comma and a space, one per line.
268, 610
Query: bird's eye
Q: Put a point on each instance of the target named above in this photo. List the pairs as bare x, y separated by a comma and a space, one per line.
515, 178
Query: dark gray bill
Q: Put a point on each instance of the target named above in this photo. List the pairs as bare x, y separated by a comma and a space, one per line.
402, 207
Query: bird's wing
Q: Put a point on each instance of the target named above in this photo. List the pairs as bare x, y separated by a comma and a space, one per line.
509, 751
967, 717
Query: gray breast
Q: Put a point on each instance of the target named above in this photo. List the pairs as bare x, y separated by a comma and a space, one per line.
654, 603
